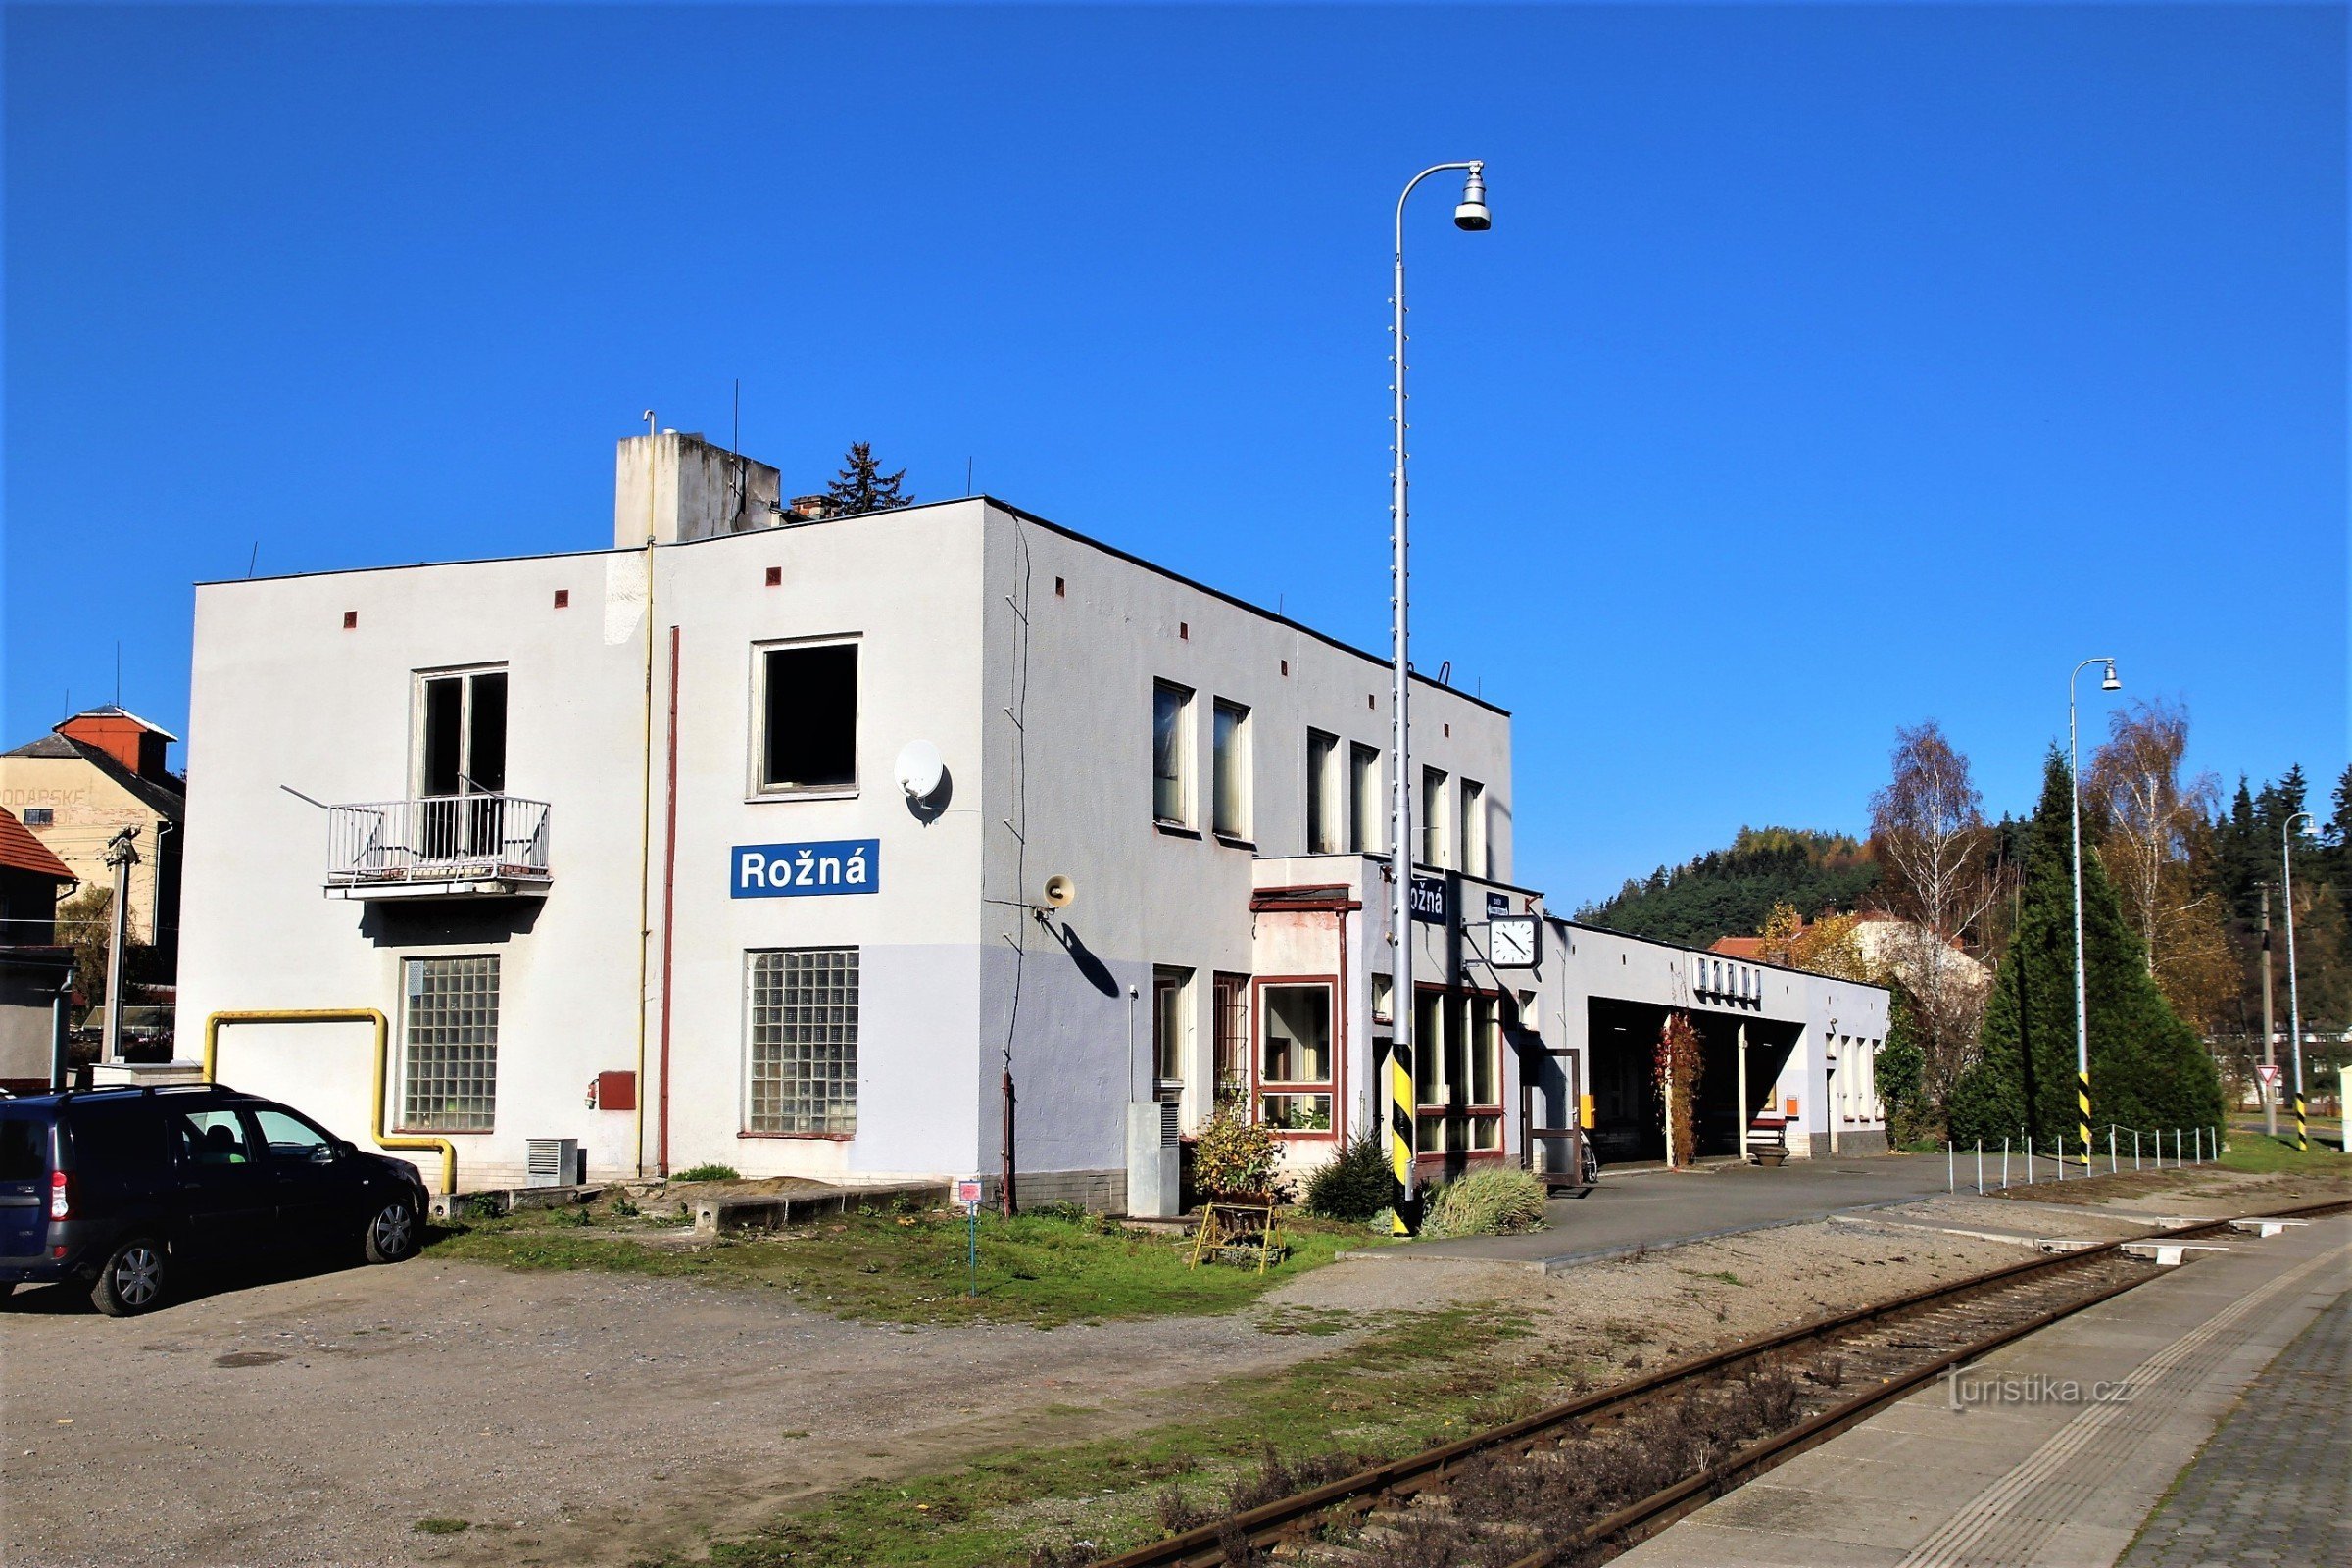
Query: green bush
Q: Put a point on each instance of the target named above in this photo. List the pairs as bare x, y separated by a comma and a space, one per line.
709, 1174
1497, 1201
1357, 1184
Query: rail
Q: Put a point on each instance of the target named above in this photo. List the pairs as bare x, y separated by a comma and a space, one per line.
438, 837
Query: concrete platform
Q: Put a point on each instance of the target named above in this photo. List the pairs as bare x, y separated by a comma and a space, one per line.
1636, 1211
2051, 1452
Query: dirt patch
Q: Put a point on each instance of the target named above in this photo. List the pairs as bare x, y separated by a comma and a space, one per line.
2204, 1191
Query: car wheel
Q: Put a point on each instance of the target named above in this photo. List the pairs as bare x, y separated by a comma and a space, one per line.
392, 1231
132, 1280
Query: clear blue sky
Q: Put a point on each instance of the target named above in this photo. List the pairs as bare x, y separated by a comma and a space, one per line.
1828, 368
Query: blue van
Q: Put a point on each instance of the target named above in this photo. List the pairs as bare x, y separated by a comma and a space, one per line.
126, 1188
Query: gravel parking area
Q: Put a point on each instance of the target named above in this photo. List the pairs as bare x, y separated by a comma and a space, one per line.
594, 1418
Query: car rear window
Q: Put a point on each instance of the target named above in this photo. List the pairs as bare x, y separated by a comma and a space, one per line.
119, 1136
24, 1148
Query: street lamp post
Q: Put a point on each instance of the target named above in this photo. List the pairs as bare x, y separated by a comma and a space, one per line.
1469, 214
2294, 1003
2107, 683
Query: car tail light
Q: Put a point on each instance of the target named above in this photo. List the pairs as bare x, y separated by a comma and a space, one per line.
61, 1201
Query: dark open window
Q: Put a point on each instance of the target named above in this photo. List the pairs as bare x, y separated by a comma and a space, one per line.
465, 750
809, 717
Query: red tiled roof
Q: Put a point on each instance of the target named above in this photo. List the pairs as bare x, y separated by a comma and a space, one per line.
1739, 948
20, 850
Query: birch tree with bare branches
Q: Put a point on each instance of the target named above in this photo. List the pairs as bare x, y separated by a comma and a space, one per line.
2145, 818
1936, 855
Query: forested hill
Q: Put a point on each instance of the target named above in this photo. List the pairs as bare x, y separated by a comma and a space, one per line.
1729, 892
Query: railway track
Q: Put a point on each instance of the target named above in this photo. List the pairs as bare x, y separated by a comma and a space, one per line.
1582, 1481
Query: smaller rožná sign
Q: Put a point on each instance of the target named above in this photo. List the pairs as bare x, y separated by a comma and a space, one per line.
805, 870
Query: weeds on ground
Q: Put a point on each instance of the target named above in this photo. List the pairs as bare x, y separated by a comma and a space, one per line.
2261, 1154
1044, 1269
709, 1174
441, 1527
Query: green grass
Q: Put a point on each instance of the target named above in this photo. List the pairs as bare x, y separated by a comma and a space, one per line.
2262, 1155
1419, 1380
709, 1174
1035, 1270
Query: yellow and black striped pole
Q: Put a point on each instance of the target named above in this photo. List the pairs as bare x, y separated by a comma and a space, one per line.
2082, 1114
1401, 1130
2302, 1122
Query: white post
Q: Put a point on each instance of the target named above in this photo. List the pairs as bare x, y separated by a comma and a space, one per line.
1743, 1049
2294, 998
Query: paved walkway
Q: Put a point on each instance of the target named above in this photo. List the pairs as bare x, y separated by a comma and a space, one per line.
1659, 1207
2275, 1485
2052, 1451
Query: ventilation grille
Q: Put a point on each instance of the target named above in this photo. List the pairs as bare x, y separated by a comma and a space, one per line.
553, 1162
1170, 1132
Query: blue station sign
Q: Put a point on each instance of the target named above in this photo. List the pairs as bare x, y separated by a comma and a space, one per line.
805, 870
1429, 900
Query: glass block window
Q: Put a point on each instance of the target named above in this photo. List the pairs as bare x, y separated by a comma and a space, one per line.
803, 1045
449, 1075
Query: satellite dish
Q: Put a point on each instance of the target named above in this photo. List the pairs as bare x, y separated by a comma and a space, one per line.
920, 769
1060, 892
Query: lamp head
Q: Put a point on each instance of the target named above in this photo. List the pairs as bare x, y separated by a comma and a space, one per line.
2110, 683
1471, 213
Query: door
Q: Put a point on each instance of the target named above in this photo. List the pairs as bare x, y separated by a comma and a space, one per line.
461, 756
227, 1203
314, 1187
23, 1183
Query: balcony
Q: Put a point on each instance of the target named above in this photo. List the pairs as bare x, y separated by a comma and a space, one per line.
441, 847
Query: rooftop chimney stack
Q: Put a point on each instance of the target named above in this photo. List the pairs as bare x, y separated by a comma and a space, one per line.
674, 486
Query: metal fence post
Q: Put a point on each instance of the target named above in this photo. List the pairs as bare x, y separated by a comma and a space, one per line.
1952, 1168
2111, 1149
2029, 1159
1980, 1168
2004, 1164
2135, 1149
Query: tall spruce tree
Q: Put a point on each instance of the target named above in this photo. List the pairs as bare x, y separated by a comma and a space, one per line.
862, 486
2147, 1069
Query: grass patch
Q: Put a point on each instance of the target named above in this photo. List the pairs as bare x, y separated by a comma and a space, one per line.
2261, 1154
442, 1527
709, 1174
1044, 1270
1413, 1382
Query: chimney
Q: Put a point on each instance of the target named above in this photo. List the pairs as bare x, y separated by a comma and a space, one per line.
677, 486
126, 737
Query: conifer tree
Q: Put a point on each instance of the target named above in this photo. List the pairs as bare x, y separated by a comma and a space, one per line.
2147, 1069
860, 486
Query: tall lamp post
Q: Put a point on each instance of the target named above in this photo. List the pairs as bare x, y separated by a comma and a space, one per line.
2294, 1003
2073, 781
1470, 214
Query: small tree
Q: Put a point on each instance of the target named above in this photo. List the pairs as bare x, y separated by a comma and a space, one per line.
1675, 1071
1235, 1157
862, 486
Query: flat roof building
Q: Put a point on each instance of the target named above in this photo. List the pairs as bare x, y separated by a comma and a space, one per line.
731, 845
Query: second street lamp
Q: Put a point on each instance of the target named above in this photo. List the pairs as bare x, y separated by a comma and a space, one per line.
2074, 784
2294, 1001
1470, 214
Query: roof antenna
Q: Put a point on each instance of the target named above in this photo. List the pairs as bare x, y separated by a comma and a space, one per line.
968, 476
256, 555
117, 672
737, 449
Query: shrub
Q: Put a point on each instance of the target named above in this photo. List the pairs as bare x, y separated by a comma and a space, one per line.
1357, 1184
1493, 1202
709, 1174
1235, 1157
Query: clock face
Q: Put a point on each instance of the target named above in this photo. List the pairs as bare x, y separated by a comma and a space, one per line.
1512, 937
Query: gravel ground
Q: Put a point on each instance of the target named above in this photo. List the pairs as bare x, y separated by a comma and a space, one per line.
589, 1418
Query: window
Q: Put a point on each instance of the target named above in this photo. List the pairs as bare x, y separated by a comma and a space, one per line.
461, 751
1482, 1041
24, 1148
1363, 799
1430, 1091
1474, 827
803, 1045
1322, 792
1168, 1021
1294, 1066
807, 718
1171, 745
1232, 1062
1230, 816
1437, 837
449, 1071
116, 1136
288, 1136
40, 816
1383, 998
212, 1138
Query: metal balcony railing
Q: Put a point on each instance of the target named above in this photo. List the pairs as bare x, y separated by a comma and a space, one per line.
440, 839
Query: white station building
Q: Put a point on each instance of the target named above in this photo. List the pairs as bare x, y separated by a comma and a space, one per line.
915, 845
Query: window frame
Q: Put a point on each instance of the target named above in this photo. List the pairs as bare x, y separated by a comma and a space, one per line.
1238, 792
1471, 830
1228, 1016
1181, 746
1176, 979
1364, 793
420, 725
1437, 836
409, 1120
1333, 1087
1326, 808
756, 785
751, 1022
1468, 1019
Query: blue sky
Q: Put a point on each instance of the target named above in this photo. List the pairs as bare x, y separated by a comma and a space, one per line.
1828, 368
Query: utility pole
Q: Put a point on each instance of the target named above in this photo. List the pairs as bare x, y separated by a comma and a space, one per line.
2269, 1049
122, 853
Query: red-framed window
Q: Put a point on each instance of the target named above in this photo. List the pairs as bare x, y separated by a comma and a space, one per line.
1457, 1071
1295, 1068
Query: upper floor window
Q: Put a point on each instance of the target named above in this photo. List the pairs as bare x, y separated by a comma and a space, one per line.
40, 816
1231, 815
807, 712
462, 733
1363, 799
1474, 827
1437, 820
1323, 799
1171, 750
